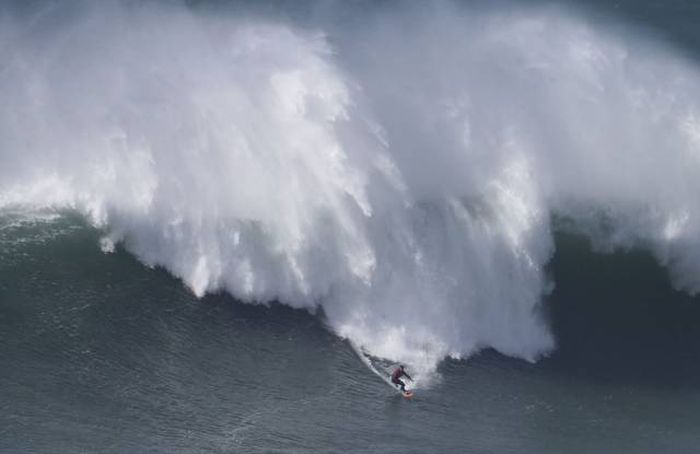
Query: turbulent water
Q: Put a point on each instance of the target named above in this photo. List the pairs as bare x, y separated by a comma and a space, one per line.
398, 169
404, 182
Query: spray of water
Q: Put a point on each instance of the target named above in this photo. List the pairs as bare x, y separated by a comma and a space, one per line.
400, 171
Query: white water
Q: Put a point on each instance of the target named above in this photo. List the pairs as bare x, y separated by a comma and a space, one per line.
400, 170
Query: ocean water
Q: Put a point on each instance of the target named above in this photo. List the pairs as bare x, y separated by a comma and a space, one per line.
207, 209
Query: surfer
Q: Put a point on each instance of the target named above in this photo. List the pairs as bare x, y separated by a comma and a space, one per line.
396, 377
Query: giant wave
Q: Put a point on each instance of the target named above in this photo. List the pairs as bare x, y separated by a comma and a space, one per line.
399, 170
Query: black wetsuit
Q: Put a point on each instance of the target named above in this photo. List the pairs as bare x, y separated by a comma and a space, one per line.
396, 378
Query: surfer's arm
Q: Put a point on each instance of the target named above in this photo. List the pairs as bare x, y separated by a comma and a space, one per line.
408, 376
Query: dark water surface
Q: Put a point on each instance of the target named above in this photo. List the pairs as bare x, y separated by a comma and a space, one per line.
101, 354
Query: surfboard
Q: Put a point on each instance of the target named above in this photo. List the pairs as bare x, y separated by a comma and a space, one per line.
408, 394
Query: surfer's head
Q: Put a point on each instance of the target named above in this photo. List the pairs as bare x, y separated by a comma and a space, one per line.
401, 366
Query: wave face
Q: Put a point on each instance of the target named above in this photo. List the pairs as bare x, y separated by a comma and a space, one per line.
399, 169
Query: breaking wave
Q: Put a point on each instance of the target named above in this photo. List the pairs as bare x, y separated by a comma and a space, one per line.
400, 170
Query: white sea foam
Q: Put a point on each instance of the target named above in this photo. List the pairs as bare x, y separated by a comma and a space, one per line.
401, 174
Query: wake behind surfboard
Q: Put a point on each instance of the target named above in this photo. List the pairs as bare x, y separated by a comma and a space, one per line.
381, 368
